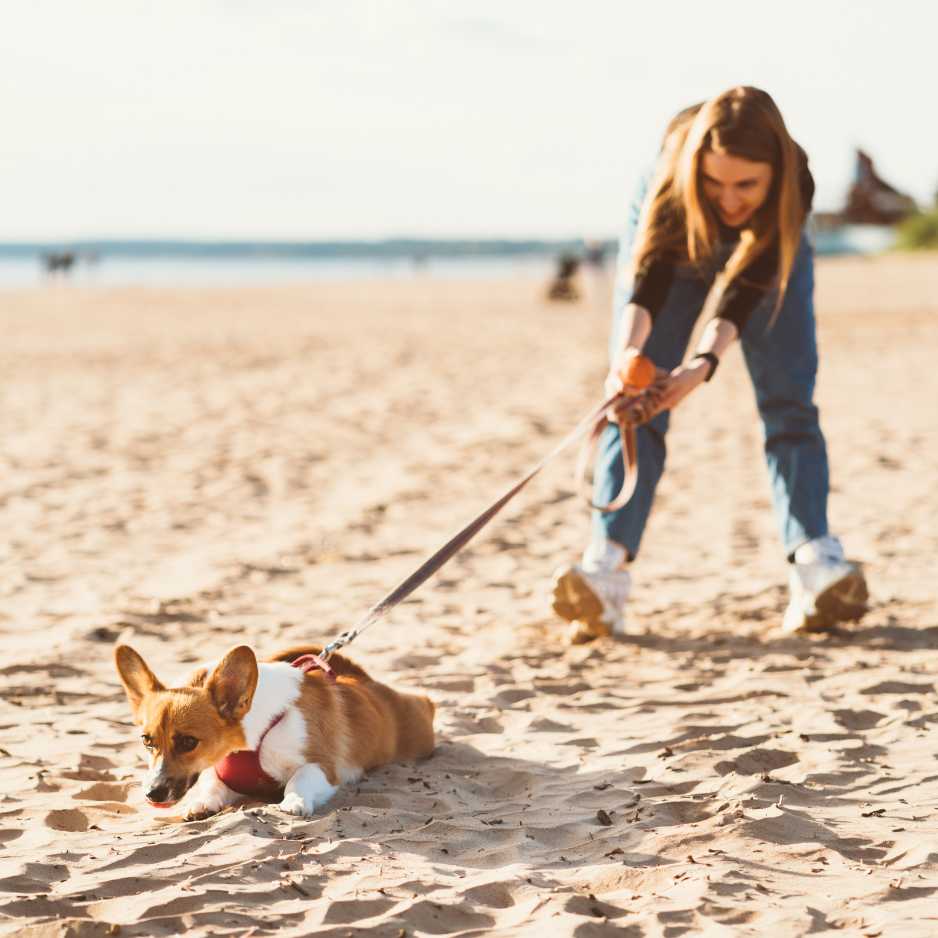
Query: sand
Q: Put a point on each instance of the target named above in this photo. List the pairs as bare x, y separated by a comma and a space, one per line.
190, 469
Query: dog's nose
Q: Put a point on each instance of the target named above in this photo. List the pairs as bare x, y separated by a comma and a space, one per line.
158, 793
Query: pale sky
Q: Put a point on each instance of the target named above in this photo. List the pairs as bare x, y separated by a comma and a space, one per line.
304, 119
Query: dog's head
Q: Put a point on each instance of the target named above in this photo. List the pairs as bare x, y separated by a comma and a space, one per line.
187, 729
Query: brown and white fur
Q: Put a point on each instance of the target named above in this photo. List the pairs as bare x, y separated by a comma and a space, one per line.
330, 733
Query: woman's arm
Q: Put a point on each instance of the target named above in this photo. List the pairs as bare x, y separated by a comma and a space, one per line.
718, 335
636, 327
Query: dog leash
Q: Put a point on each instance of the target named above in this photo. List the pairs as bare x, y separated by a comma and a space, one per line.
630, 411
639, 400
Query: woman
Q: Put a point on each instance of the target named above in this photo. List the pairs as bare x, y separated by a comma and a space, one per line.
725, 215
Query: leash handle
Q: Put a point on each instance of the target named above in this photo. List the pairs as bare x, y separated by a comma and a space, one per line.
639, 401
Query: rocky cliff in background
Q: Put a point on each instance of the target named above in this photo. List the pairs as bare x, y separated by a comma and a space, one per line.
873, 201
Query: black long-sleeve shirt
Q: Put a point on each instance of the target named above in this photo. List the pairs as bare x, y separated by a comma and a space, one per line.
653, 281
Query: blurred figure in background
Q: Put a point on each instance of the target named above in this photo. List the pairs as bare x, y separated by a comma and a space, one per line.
563, 287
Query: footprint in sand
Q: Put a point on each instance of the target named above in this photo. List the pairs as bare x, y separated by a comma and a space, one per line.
593, 908
105, 791
489, 895
858, 719
897, 687
756, 761
91, 768
352, 911
546, 725
69, 819
506, 698
438, 918
470, 725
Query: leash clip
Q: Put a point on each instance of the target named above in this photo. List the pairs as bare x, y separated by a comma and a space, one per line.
337, 643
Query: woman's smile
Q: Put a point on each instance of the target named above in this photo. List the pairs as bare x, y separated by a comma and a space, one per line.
735, 187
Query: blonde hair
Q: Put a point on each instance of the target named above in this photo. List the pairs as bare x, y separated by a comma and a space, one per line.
679, 222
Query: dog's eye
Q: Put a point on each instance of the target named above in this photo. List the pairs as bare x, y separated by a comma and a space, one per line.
147, 741
186, 743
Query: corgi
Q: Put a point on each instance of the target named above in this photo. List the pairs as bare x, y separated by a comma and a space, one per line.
290, 728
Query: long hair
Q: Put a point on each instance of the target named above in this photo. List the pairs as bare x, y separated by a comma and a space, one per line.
679, 222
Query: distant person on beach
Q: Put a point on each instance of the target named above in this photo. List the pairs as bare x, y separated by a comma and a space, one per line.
563, 286
723, 213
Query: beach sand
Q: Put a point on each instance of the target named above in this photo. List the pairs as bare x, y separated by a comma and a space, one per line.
190, 469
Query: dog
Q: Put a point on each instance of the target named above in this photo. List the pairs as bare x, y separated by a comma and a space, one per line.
269, 730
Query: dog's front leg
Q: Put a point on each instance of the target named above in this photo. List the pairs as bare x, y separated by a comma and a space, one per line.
208, 796
307, 789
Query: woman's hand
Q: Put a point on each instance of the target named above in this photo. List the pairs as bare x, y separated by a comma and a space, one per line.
613, 383
683, 380
637, 385
630, 369
664, 392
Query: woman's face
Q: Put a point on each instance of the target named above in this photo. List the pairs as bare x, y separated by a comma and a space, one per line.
735, 187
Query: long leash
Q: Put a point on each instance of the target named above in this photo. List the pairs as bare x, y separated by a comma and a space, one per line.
637, 405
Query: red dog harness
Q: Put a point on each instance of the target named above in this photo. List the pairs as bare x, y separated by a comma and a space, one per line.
241, 771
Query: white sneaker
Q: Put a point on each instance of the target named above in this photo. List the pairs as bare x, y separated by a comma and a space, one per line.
825, 588
591, 595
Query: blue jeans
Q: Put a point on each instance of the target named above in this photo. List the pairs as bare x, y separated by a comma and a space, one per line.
782, 363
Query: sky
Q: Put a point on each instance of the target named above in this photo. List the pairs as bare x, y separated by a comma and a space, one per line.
359, 119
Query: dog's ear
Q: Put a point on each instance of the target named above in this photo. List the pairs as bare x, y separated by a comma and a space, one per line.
137, 678
232, 684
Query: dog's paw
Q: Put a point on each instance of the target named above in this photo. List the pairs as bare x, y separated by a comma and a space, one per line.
199, 812
294, 803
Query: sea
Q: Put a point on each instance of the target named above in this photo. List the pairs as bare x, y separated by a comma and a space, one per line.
251, 263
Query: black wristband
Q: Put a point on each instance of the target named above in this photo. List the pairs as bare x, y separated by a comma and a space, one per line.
712, 359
